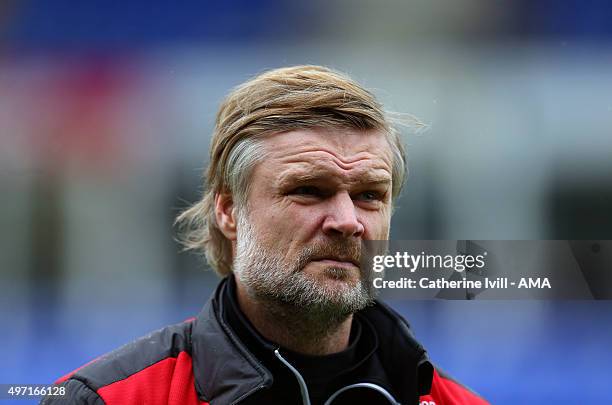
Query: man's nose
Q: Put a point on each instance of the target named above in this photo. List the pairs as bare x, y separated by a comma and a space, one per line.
342, 217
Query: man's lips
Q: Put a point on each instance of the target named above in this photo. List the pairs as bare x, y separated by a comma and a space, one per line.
336, 262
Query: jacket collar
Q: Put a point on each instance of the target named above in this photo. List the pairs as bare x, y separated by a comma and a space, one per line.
226, 372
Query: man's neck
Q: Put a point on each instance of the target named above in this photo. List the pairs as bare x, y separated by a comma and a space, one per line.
296, 329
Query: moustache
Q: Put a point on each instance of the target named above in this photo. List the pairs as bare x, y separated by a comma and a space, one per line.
345, 251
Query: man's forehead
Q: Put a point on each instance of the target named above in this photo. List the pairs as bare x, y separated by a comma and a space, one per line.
347, 147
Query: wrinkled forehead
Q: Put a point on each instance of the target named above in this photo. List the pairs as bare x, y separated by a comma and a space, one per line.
362, 153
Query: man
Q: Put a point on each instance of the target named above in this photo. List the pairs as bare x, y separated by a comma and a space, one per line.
304, 165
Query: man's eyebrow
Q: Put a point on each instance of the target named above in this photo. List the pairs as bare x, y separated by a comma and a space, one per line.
299, 177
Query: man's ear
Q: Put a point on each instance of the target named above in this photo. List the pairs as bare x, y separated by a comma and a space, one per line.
225, 213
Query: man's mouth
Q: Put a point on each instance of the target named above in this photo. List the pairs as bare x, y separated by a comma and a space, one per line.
337, 262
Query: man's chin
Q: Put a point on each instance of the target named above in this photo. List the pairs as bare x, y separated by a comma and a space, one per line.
315, 289
333, 283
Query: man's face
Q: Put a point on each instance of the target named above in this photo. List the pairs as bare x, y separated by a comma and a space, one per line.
312, 200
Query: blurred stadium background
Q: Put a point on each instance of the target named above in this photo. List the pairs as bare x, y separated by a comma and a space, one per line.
105, 114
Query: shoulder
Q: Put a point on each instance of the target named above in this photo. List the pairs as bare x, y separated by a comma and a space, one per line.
152, 369
446, 390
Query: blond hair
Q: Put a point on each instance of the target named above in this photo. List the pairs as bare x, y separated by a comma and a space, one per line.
276, 101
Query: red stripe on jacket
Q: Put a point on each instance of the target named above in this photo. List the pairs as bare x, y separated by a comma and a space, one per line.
445, 391
169, 381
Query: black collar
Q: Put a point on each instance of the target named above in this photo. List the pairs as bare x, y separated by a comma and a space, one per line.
225, 371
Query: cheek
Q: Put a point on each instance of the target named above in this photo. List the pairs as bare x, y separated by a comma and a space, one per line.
281, 227
376, 226
301, 224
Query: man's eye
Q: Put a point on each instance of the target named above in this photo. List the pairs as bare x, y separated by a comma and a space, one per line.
306, 190
369, 196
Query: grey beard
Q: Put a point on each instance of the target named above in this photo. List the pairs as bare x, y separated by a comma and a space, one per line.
288, 292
